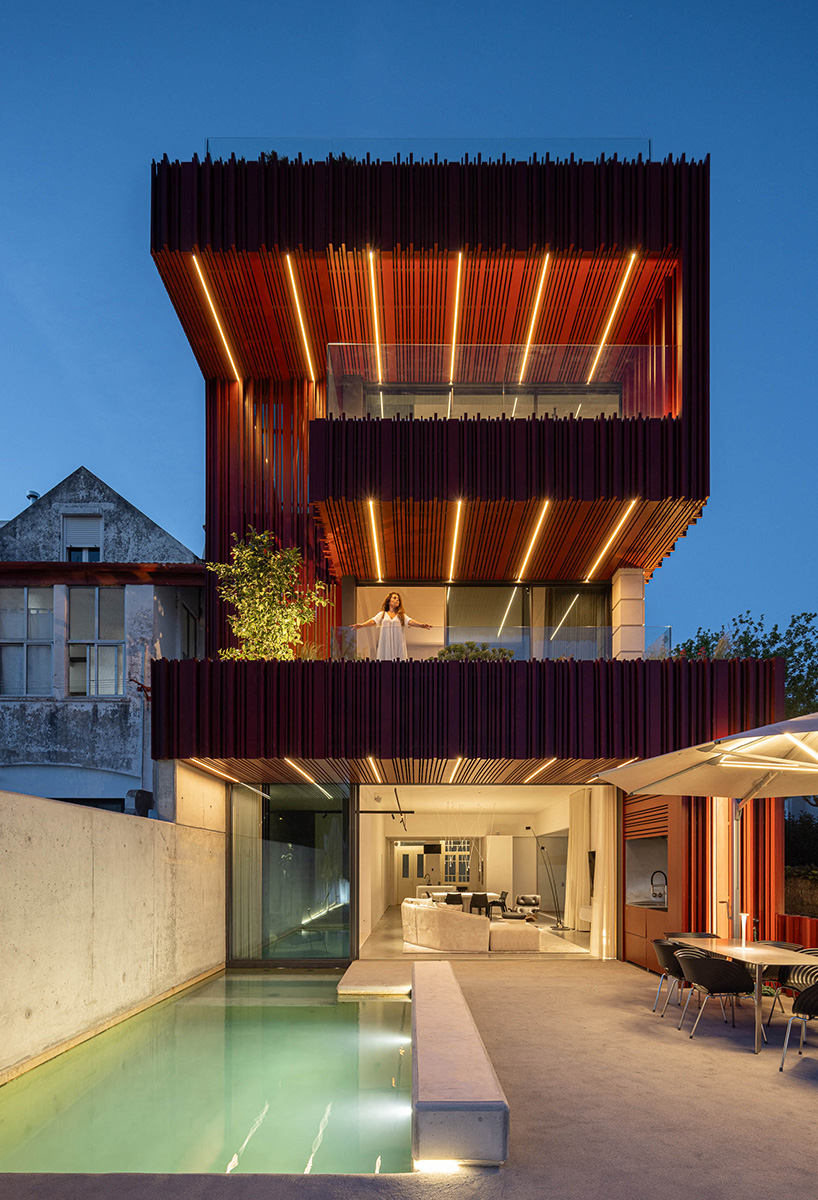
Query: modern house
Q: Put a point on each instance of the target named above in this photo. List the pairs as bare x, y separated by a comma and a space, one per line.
483, 385
91, 592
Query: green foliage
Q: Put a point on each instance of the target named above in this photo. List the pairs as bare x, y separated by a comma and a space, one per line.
271, 603
801, 841
747, 637
461, 651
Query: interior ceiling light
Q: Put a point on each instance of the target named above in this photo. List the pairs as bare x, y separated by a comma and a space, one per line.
374, 769
216, 318
508, 610
534, 315
300, 318
375, 540
539, 770
455, 770
213, 771
532, 543
619, 295
375, 319
309, 778
565, 614
801, 745
610, 540
454, 542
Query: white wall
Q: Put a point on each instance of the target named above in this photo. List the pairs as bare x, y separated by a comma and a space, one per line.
525, 866
102, 913
498, 852
374, 873
552, 819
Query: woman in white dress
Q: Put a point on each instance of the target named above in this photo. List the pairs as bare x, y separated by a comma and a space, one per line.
392, 622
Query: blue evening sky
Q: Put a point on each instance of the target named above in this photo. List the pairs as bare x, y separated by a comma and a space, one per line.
97, 371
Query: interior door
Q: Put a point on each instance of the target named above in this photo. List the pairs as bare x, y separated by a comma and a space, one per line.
409, 870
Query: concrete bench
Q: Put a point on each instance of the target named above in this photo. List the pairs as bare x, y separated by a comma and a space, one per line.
459, 1110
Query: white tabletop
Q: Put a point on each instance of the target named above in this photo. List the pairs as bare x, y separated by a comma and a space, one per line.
756, 953
439, 893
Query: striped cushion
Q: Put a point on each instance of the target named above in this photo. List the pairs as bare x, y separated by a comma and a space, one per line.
799, 978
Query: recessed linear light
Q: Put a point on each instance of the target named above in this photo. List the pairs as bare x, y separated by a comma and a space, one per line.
300, 318
374, 769
539, 770
375, 320
801, 745
565, 614
775, 764
309, 778
533, 320
215, 318
375, 540
611, 318
611, 540
231, 778
454, 542
454, 323
456, 769
532, 543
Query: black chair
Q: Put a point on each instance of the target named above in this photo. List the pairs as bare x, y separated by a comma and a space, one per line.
480, 902
717, 977
804, 1008
501, 903
683, 933
671, 971
454, 898
796, 979
771, 976
462, 887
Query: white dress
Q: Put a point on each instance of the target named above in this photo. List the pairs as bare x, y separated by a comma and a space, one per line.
392, 640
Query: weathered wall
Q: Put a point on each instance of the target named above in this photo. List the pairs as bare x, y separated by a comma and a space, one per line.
100, 914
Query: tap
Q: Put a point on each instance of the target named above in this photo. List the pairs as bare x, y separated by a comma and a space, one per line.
661, 890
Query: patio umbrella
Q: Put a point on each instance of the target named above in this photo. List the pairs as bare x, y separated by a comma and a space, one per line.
775, 760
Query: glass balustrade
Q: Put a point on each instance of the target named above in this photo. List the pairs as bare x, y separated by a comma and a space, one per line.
454, 643
435, 382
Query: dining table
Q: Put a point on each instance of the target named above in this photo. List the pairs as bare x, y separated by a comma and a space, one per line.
754, 955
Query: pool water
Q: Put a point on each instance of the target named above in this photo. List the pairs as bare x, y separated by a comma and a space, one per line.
244, 1073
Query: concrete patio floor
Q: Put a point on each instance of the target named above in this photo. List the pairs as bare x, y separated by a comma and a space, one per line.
607, 1100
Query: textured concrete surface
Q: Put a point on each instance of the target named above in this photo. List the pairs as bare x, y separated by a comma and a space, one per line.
608, 1102
365, 978
101, 912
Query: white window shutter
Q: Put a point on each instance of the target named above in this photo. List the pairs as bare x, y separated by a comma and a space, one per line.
82, 532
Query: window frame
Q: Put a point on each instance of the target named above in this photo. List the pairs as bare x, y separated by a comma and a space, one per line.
119, 644
25, 642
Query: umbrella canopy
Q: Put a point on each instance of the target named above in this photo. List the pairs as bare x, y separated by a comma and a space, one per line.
775, 760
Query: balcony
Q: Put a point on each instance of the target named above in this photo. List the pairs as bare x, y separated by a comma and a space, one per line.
516, 382
454, 643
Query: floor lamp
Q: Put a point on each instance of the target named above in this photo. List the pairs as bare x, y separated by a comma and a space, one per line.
549, 871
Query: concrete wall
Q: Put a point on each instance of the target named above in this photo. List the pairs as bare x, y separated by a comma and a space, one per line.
374, 873
102, 913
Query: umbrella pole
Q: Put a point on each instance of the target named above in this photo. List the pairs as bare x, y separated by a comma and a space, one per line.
738, 811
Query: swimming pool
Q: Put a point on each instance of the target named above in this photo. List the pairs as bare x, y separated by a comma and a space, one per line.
244, 1073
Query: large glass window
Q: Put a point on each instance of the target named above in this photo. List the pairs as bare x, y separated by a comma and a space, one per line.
96, 641
572, 621
495, 615
290, 872
456, 861
26, 634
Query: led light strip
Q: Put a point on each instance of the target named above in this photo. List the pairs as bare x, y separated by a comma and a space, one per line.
375, 319
771, 764
374, 769
610, 540
309, 778
456, 769
231, 778
300, 318
802, 745
611, 318
539, 770
454, 323
562, 622
375, 540
533, 320
454, 542
532, 543
215, 318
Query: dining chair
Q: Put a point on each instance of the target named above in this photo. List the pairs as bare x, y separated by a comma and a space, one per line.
710, 976
454, 898
480, 902
804, 1008
671, 971
797, 979
501, 903
771, 976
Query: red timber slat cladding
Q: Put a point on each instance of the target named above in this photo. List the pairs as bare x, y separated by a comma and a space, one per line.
257, 446
243, 217
533, 711
415, 540
645, 817
796, 929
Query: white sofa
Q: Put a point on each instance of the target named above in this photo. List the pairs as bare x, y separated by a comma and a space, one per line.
443, 926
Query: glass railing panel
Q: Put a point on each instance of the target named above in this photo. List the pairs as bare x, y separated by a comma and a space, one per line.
427, 382
458, 643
